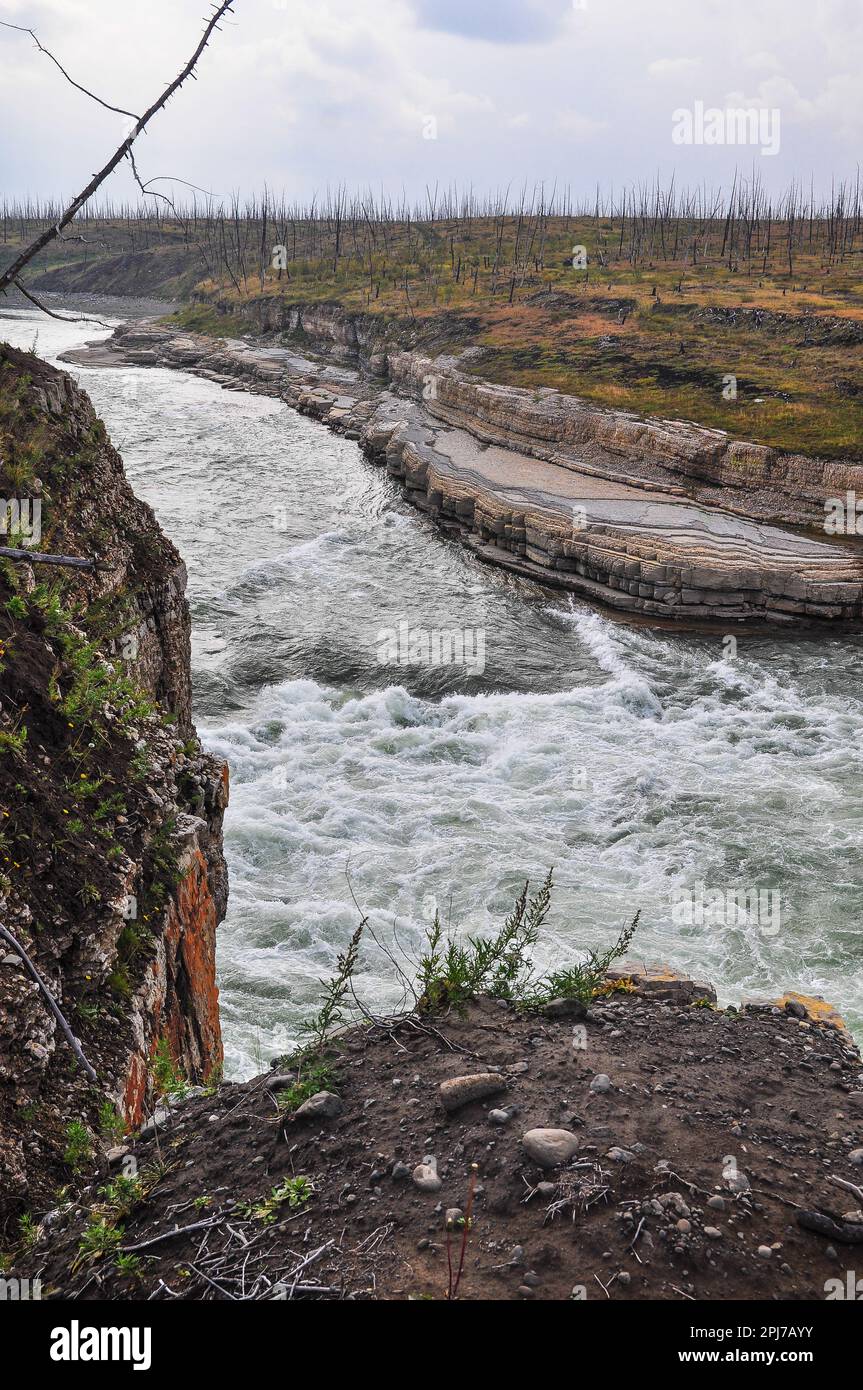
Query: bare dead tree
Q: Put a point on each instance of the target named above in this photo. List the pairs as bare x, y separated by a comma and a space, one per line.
10, 276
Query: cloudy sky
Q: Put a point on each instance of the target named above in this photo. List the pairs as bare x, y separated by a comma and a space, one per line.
404, 94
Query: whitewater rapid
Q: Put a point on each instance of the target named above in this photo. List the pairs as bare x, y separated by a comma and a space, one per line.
636, 763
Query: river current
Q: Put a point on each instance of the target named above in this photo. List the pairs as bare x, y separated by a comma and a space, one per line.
641, 765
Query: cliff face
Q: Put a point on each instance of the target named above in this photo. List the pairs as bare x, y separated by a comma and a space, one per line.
530, 481
705, 464
111, 869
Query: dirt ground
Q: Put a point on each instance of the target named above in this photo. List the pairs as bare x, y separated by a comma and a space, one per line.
701, 1101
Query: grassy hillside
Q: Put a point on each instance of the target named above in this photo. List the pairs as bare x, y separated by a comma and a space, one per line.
741, 317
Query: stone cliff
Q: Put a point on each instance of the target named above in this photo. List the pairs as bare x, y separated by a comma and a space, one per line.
656, 518
112, 876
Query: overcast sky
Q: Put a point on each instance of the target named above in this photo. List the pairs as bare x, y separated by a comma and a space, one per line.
299, 94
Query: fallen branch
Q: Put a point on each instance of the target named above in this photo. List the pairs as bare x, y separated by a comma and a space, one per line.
40, 557
52, 1004
846, 1232
169, 1235
847, 1186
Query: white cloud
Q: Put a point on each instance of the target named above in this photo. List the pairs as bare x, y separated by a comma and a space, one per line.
673, 67
323, 92
578, 126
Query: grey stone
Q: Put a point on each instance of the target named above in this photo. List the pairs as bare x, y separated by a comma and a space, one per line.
323, 1106
600, 1084
426, 1179
550, 1147
158, 1120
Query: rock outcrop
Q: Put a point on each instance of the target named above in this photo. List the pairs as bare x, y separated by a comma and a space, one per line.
661, 519
112, 875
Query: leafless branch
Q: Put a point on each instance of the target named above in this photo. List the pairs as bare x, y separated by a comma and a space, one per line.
9, 276
107, 105
64, 318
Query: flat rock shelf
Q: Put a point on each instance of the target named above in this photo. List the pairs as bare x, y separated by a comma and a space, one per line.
589, 503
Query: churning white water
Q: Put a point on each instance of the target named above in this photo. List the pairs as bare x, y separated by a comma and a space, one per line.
635, 762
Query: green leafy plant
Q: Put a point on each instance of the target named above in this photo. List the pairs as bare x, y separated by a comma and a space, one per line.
28, 1231
129, 1266
13, 740
331, 1014
452, 972
112, 1126
168, 1079
312, 1076
585, 980
99, 1239
293, 1192
79, 1146
121, 1195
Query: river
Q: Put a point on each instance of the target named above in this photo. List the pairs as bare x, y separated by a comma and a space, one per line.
635, 762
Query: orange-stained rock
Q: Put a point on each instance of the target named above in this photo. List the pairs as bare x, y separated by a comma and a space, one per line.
817, 1011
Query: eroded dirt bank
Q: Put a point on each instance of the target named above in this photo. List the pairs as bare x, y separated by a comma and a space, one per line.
661, 519
692, 1152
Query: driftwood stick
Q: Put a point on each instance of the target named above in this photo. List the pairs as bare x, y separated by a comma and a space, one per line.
847, 1186
169, 1235
52, 1004
847, 1232
39, 557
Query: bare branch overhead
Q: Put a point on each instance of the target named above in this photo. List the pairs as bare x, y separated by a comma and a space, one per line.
10, 275
48, 54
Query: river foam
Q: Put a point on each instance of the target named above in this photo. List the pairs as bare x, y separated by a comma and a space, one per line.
637, 763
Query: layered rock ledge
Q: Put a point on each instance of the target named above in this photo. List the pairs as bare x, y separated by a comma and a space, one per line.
661, 519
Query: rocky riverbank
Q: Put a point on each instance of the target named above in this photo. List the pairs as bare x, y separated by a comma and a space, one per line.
112, 877
652, 1146
660, 519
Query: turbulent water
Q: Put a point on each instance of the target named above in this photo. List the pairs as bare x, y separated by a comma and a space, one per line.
636, 763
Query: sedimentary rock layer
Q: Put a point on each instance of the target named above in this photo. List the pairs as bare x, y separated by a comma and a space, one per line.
570, 496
